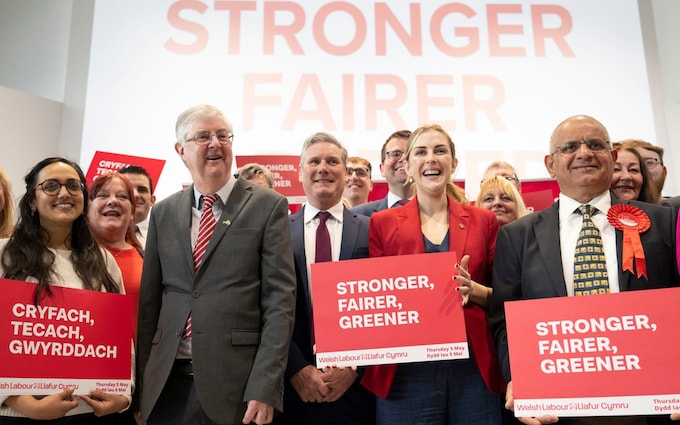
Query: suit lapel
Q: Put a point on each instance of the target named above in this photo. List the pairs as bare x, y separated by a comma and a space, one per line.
408, 228
297, 235
549, 246
184, 219
238, 198
350, 233
459, 226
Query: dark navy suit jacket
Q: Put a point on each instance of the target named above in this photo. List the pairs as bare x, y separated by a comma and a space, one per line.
369, 208
528, 263
357, 405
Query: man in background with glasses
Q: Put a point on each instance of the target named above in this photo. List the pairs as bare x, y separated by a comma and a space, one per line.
392, 169
536, 255
359, 182
503, 169
217, 298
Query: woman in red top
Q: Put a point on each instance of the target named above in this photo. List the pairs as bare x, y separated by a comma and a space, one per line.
450, 391
110, 216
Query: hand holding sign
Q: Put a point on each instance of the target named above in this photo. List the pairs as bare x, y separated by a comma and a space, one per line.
50, 407
510, 405
469, 289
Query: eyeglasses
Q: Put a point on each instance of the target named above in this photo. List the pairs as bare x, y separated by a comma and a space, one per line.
651, 162
511, 177
52, 187
394, 155
360, 172
595, 145
204, 137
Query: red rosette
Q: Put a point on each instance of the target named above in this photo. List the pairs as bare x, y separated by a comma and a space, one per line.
631, 221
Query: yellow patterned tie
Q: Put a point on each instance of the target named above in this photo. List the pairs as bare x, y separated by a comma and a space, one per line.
590, 265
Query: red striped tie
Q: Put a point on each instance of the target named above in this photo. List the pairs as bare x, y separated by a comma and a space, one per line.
205, 229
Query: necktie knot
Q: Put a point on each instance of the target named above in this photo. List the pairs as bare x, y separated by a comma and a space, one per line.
208, 201
400, 203
587, 210
323, 217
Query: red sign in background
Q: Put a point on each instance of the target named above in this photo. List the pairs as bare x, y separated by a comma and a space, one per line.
606, 346
107, 162
284, 169
351, 301
72, 335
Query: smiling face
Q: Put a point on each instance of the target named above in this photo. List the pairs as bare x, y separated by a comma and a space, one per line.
323, 174
357, 187
657, 171
209, 164
392, 169
429, 161
58, 212
582, 175
627, 177
144, 200
501, 204
110, 211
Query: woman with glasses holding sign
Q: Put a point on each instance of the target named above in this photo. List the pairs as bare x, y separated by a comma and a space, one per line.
52, 246
448, 391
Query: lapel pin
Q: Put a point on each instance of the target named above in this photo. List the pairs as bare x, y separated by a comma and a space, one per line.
227, 223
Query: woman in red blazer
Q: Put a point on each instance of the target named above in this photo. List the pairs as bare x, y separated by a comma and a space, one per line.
450, 391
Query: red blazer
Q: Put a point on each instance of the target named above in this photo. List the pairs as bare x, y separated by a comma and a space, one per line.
472, 231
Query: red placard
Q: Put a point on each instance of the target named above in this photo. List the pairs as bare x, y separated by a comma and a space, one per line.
601, 355
107, 162
539, 194
387, 310
284, 169
73, 339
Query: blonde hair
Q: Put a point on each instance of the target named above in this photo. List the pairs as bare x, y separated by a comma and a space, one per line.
504, 185
452, 189
7, 212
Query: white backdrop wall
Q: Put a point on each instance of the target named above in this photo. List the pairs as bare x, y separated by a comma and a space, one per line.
125, 90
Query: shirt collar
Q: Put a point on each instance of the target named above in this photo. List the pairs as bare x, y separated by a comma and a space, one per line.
391, 199
336, 211
568, 205
143, 225
222, 193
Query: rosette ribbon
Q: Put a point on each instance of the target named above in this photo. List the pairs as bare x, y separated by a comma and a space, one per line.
631, 221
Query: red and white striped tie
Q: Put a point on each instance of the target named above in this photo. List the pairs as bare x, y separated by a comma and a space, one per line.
205, 229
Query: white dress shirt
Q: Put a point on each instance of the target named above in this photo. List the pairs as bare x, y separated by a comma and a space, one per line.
570, 226
334, 225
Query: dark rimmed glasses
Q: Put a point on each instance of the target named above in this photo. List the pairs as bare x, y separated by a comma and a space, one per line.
359, 171
52, 187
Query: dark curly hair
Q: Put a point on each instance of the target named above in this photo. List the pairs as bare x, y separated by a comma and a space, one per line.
27, 255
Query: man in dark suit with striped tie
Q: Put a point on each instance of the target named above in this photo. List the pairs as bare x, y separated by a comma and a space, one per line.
216, 306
